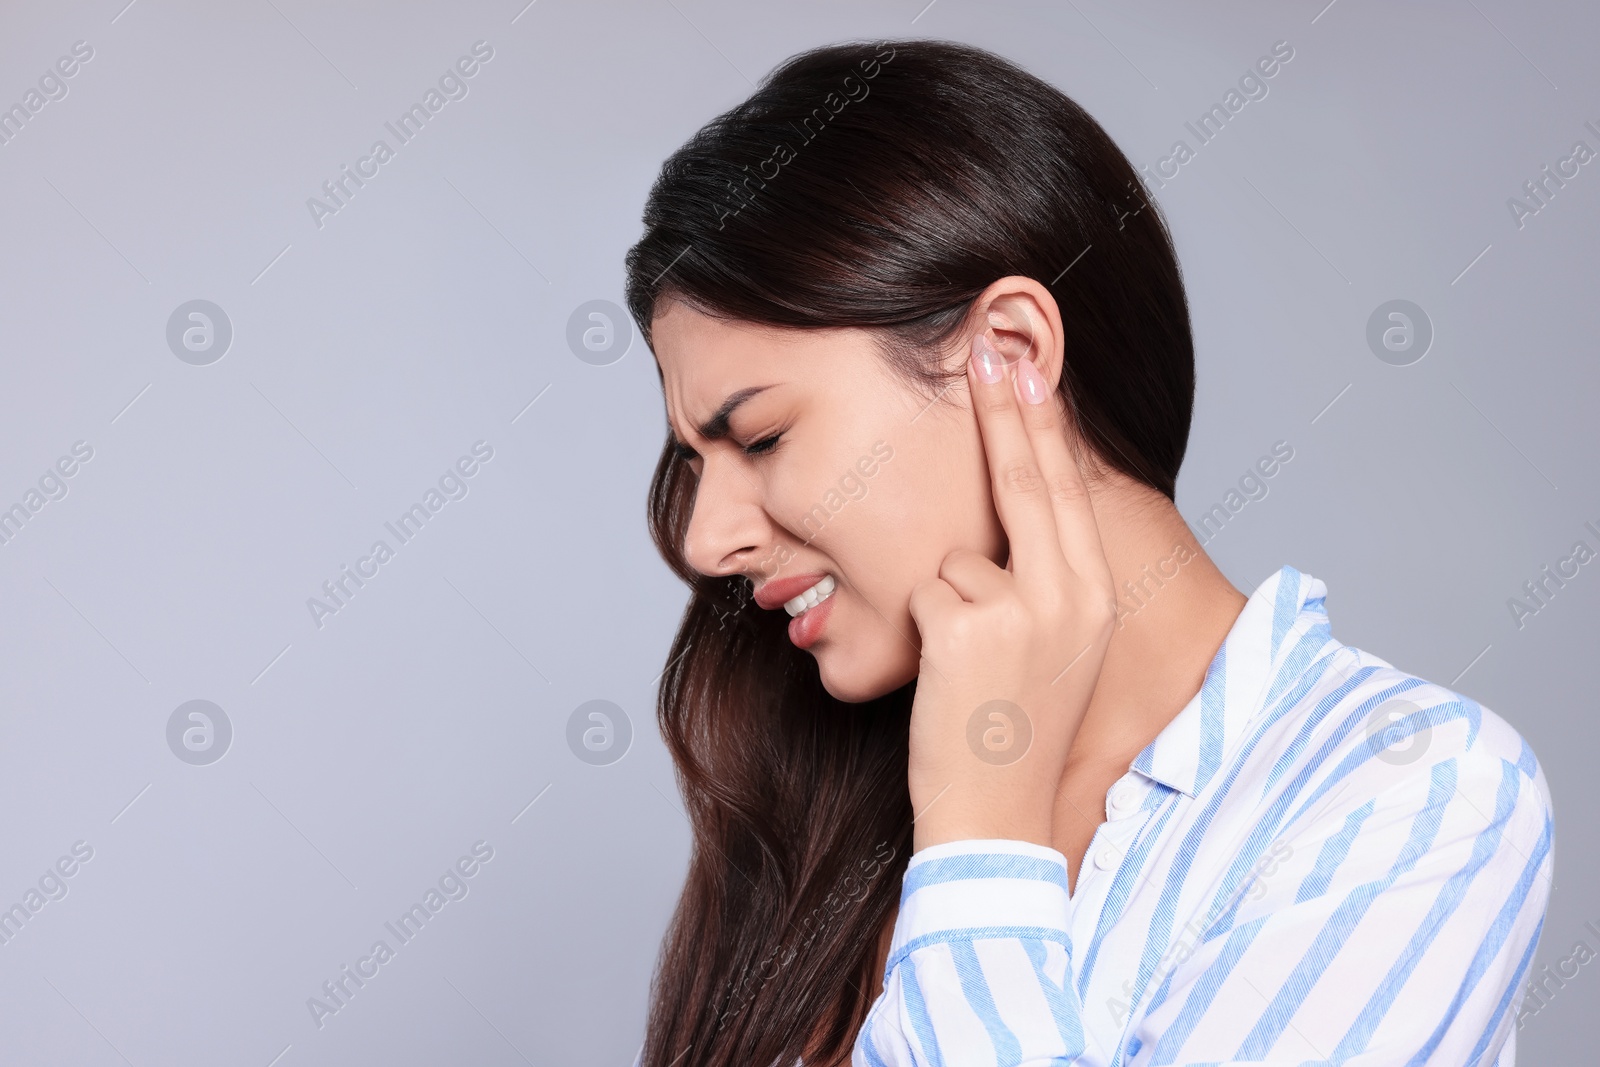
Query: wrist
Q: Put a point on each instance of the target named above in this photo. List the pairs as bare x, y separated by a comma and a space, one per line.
935, 829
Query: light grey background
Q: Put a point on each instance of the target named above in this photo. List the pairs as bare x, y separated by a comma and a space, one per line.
431, 312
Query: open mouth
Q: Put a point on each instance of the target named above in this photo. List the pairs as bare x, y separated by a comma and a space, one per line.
811, 600
810, 611
811, 597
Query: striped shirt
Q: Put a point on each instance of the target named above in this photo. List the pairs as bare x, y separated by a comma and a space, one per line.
1321, 859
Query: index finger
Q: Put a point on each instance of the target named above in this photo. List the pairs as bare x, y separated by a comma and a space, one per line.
1077, 531
1017, 478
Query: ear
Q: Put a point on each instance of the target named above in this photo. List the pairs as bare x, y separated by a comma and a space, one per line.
1025, 322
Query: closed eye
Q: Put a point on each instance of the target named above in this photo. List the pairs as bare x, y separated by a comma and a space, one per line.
763, 446
759, 448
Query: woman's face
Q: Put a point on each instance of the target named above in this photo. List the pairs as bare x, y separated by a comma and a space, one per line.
868, 481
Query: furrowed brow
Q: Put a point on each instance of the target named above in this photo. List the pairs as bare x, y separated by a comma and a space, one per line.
716, 427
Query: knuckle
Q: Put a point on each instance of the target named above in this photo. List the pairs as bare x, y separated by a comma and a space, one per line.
1006, 620
1101, 611
1021, 476
1068, 489
958, 630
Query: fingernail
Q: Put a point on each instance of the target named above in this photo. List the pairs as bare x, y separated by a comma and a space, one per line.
985, 360
1030, 381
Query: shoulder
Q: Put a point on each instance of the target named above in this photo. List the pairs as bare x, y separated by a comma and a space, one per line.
1365, 738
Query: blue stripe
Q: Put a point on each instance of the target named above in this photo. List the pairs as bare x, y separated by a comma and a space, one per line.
1312, 644
1141, 762
864, 1040
1212, 691
1063, 1005
1203, 992
917, 1008
1526, 762
1501, 1008
977, 865
970, 971
1490, 948
1285, 607
1334, 851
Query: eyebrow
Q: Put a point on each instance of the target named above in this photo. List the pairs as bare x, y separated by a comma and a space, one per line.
716, 427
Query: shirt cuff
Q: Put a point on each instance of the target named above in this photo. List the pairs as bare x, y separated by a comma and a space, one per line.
981, 888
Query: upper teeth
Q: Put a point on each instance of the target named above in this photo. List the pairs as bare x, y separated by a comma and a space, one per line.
811, 597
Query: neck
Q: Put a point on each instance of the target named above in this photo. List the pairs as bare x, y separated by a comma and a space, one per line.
1175, 608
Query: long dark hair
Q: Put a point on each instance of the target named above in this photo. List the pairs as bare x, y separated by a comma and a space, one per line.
882, 186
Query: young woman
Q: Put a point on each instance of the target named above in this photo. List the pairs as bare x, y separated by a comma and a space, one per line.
995, 766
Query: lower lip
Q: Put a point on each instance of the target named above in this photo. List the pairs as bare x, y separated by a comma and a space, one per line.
806, 627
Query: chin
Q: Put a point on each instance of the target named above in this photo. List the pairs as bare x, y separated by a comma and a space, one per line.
852, 682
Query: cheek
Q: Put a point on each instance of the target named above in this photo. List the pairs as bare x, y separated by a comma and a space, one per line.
935, 495
926, 500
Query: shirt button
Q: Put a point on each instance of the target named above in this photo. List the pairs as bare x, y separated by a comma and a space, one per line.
1123, 798
1106, 858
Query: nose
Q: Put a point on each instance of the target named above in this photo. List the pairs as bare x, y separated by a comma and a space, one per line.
728, 526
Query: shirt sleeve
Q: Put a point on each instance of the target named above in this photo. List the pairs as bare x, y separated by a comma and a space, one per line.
979, 964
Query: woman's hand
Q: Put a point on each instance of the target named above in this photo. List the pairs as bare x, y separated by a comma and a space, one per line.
1009, 657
